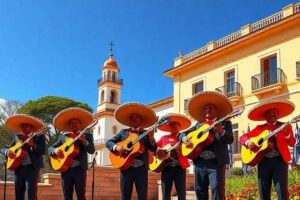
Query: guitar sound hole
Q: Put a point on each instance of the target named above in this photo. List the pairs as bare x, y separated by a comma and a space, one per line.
200, 135
260, 142
129, 145
67, 148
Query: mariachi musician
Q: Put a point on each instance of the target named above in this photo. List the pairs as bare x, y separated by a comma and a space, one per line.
72, 121
206, 107
274, 164
27, 170
175, 171
137, 117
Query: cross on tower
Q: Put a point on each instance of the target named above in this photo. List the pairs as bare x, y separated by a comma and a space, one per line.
111, 44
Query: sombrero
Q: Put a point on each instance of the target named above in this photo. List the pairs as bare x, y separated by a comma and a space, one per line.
197, 102
181, 119
61, 120
284, 108
14, 122
123, 112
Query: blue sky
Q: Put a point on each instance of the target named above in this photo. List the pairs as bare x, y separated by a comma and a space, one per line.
57, 47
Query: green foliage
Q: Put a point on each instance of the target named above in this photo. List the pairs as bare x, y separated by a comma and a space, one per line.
6, 136
245, 187
47, 107
236, 171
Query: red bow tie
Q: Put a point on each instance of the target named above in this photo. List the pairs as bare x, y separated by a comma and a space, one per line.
72, 135
136, 130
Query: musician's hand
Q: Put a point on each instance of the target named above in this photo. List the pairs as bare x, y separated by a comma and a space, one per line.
83, 139
59, 153
11, 154
252, 145
30, 142
120, 149
151, 136
219, 130
161, 153
186, 140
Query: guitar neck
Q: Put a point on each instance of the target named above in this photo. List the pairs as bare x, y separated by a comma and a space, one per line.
78, 136
144, 134
173, 147
276, 131
217, 122
32, 136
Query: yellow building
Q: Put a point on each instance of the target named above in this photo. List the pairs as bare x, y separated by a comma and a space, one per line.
257, 63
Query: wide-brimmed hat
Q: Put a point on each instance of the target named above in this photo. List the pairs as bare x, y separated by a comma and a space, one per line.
181, 119
197, 102
62, 119
123, 112
14, 122
284, 108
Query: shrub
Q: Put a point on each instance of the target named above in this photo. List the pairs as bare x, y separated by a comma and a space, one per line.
236, 171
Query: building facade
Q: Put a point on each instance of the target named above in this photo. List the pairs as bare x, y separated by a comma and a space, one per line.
109, 95
258, 63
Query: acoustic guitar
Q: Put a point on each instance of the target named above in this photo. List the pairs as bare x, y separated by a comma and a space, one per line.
158, 163
133, 147
70, 150
202, 136
263, 145
20, 151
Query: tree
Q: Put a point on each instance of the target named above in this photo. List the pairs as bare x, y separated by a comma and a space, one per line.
45, 109
7, 109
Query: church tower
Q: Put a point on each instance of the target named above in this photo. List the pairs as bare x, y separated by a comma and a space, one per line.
109, 97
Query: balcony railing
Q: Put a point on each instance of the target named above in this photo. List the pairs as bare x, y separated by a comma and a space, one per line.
185, 103
100, 142
298, 69
284, 13
231, 90
111, 79
268, 79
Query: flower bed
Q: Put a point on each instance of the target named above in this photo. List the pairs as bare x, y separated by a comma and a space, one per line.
246, 188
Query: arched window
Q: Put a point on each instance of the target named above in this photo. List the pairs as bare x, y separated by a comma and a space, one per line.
102, 96
113, 76
114, 129
99, 130
112, 97
109, 76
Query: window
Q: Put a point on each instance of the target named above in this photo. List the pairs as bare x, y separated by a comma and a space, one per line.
185, 103
236, 147
298, 69
112, 97
269, 70
198, 87
102, 96
113, 76
99, 130
229, 80
114, 129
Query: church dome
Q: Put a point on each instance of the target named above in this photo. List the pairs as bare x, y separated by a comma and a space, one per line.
110, 62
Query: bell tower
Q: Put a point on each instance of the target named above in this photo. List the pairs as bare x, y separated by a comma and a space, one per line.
109, 98
109, 86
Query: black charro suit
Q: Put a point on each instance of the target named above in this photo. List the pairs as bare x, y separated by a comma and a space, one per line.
27, 174
133, 175
75, 176
212, 171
